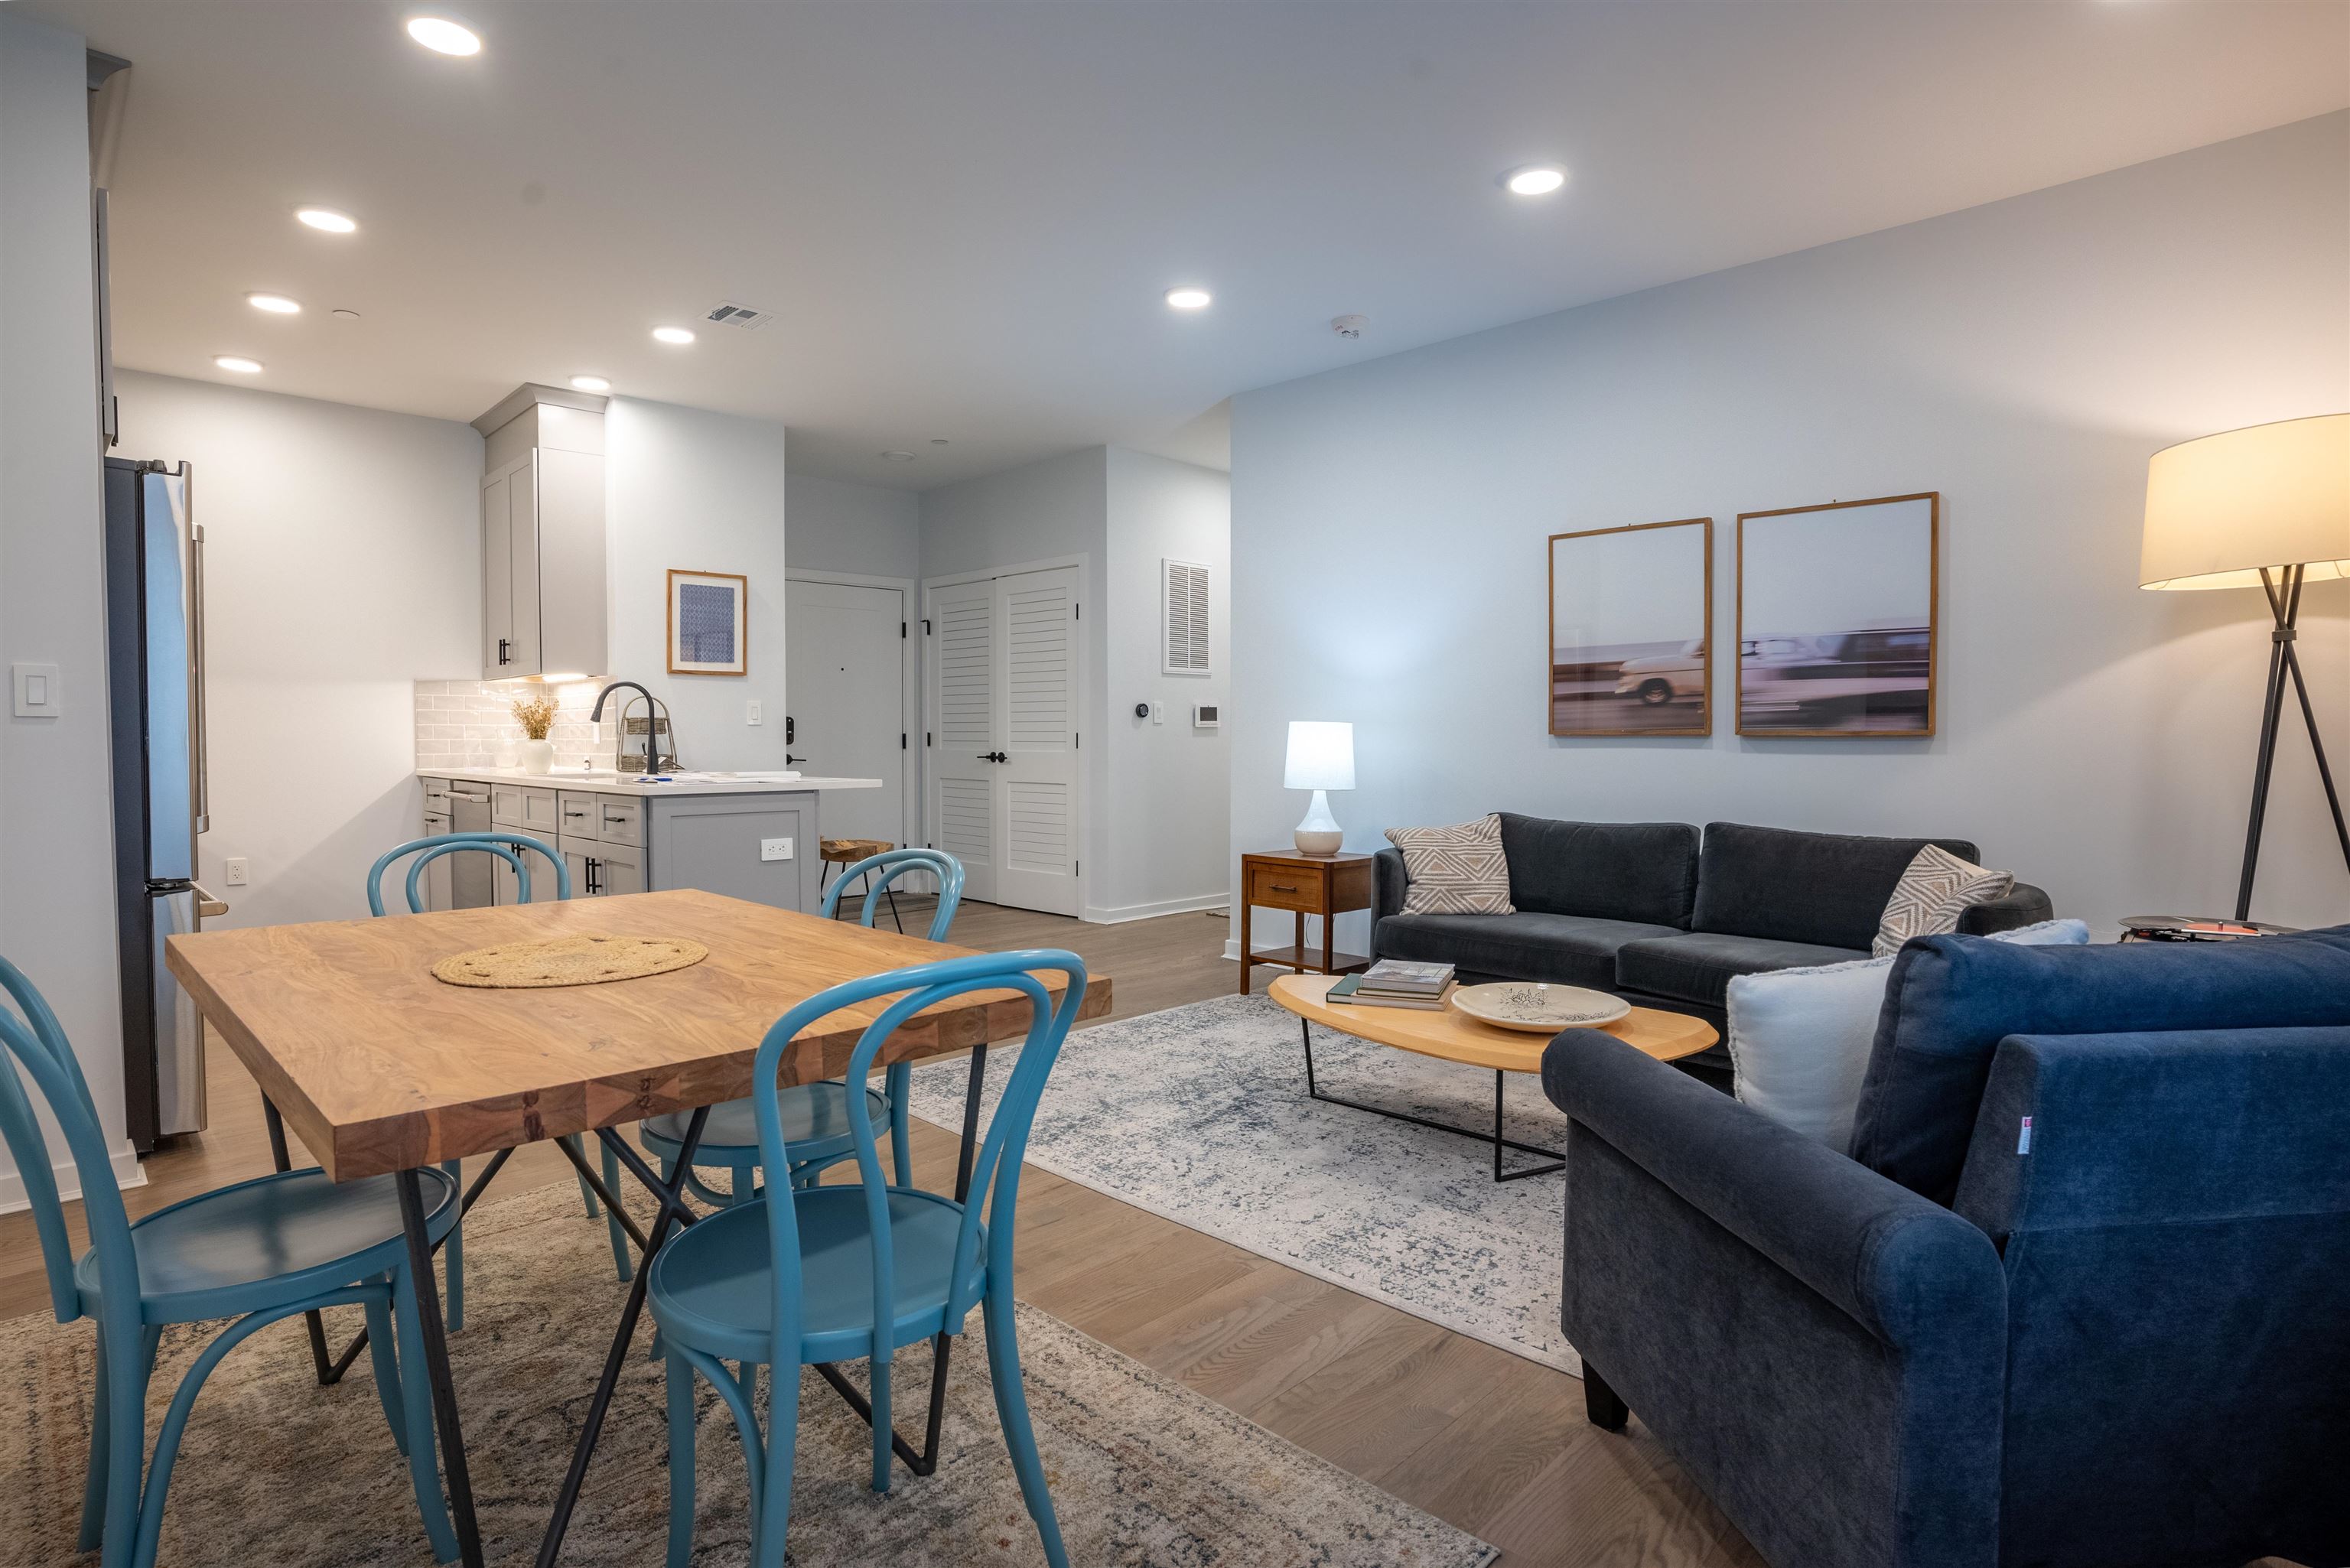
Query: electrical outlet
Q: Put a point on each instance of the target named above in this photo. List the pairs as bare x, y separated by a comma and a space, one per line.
236, 870
752, 713
774, 849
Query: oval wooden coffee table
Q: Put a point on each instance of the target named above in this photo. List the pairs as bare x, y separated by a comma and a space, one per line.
1454, 1037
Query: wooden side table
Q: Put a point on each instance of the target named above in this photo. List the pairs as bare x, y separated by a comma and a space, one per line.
1326, 885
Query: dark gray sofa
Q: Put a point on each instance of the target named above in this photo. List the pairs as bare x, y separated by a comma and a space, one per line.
1652, 912
2120, 1342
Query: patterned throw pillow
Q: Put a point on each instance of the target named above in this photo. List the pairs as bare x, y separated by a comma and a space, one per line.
1455, 870
1932, 894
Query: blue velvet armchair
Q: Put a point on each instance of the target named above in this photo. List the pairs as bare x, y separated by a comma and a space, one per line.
2122, 1337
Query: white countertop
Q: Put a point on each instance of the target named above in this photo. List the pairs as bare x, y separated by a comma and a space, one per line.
577, 778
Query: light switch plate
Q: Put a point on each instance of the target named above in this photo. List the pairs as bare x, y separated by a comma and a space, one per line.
774, 849
752, 713
237, 871
38, 695
1159, 713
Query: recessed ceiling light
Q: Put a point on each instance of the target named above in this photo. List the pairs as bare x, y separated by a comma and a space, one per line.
346, 314
1534, 179
328, 219
897, 457
443, 36
276, 304
1189, 299
938, 441
672, 334
238, 363
591, 383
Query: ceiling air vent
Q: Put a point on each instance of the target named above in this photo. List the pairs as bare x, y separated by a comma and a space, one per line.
732, 314
1185, 601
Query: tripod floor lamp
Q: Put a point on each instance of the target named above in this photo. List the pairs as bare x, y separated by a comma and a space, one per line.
2267, 507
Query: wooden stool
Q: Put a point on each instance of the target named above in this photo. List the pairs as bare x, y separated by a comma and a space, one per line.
847, 852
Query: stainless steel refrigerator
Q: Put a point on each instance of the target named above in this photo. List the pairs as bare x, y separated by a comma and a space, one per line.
155, 678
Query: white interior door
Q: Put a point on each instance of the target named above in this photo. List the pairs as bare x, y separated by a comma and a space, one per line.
1036, 786
843, 675
964, 687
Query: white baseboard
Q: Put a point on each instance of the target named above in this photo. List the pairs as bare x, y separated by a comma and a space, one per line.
128, 1173
1233, 949
1095, 917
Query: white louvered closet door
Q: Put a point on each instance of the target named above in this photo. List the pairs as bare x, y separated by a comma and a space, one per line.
967, 686
1036, 867
1004, 800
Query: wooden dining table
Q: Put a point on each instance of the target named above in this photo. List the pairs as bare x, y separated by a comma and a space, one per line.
380, 1069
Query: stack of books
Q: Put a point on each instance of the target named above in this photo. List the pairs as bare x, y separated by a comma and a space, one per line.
1391, 982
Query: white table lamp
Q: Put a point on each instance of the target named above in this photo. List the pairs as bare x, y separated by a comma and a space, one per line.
1321, 757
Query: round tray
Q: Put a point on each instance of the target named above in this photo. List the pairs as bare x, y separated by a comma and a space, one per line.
1521, 1004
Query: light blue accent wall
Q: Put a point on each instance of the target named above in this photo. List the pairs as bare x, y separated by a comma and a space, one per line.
2024, 359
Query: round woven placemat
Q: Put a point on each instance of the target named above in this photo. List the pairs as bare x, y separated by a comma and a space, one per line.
590, 958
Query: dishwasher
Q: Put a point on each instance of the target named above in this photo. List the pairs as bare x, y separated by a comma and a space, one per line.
470, 885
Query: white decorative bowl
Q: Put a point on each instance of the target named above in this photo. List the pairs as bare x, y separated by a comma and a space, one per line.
1519, 1004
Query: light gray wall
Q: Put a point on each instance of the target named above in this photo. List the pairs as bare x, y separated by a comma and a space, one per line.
698, 492
1169, 802
2023, 358
862, 530
1041, 511
57, 835
343, 554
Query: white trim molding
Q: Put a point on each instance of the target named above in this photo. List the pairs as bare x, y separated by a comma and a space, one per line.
1095, 916
128, 1173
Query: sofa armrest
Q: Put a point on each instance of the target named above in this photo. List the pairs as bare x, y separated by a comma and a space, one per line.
1898, 1264
1388, 880
2168, 1127
2024, 905
1823, 1350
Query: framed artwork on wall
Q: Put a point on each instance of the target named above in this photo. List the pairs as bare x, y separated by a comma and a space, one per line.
1631, 612
709, 630
1835, 617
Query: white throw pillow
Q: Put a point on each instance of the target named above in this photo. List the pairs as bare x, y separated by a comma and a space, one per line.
1799, 1042
1800, 1038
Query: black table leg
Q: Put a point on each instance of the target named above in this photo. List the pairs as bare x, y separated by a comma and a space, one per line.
1557, 1162
436, 1370
673, 1210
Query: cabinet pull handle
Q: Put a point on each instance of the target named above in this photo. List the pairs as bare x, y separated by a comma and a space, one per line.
592, 864
1283, 888
503, 658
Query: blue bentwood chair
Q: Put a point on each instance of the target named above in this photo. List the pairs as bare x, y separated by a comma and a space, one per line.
267, 1248
511, 848
815, 1116
813, 1275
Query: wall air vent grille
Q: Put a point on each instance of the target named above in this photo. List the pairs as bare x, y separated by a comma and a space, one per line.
728, 313
1184, 598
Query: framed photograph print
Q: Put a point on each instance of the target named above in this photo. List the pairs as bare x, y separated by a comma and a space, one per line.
709, 632
1630, 613
1835, 617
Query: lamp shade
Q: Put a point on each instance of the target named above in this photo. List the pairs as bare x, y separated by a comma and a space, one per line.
2219, 508
1320, 756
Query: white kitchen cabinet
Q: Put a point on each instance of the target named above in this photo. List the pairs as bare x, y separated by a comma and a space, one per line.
542, 535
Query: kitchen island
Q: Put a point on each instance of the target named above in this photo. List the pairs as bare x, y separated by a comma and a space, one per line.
746, 835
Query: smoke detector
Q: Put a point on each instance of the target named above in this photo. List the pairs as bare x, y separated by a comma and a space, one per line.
1349, 326
728, 313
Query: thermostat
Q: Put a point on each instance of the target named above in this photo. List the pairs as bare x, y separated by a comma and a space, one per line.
1204, 715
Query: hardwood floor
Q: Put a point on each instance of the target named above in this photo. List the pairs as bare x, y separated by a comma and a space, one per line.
1495, 1444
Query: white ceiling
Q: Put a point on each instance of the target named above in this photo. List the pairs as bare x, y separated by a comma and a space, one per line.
965, 214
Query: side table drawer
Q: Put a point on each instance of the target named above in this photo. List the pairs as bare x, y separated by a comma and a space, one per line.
1279, 889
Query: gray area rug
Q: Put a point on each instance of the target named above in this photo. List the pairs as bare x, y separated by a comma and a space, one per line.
1200, 1114
278, 1472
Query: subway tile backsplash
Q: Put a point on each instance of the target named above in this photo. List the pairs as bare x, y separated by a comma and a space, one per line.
470, 723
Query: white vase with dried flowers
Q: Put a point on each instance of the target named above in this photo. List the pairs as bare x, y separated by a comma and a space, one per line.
536, 717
